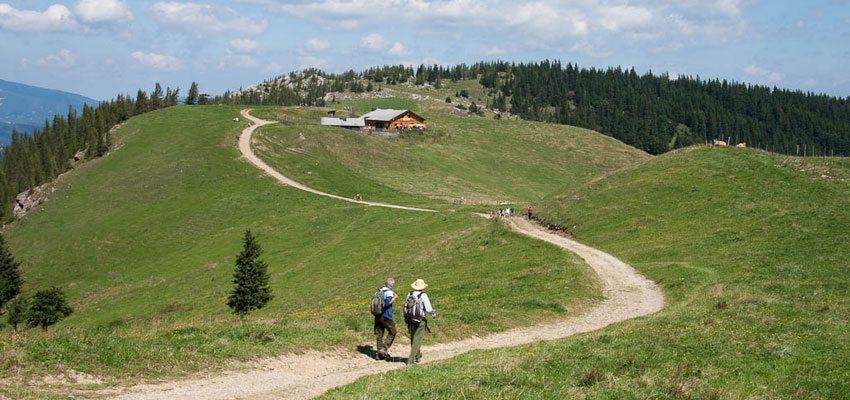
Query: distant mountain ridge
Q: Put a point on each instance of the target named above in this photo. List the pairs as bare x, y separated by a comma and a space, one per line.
25, 107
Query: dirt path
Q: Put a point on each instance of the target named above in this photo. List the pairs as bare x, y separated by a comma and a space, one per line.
628, 295
247, 152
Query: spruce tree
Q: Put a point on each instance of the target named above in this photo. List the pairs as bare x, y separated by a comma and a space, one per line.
251, 279
47, 308
10, 276
192, 98
156, 98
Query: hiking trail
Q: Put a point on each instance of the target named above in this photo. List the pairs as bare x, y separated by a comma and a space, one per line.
628, 294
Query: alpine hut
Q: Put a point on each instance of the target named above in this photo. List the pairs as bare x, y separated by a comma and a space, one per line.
393, 119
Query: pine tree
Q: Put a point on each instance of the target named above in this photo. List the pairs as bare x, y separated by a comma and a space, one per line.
251, 279
47, 308
156, 97
192, 98
10, 276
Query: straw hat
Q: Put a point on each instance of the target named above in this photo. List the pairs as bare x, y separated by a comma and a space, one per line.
419, 285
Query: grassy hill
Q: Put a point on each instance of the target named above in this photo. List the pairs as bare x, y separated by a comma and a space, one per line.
482, 160
751, 250
143, 242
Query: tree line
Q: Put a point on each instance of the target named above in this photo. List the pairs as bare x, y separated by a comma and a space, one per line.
656, 113
34, 159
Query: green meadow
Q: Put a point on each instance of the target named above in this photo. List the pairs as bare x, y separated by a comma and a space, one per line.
143, 242
750, 249
485, 162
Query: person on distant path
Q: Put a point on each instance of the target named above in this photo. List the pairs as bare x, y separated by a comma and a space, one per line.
530, 212
416, 322
358, 197
384, 322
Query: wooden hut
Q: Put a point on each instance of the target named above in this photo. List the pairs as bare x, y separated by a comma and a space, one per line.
393, 119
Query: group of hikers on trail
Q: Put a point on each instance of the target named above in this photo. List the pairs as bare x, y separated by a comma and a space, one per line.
416, 305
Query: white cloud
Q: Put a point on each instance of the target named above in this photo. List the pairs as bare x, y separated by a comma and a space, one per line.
274, 68
312, 62
157, 61
763, 74
56, 18
203, 18
65, 58
617, 18
398, 50
243, 45
374, 42
103, 10
492, 51
317, 45
239, 61
547, 22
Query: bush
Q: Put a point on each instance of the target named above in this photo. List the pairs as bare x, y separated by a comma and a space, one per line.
464, 93
448, 99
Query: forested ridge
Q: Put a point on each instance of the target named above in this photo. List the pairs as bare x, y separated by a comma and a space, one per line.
31, 160
655, 113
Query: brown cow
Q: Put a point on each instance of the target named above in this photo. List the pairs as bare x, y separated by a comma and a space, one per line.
719, 142
742, 144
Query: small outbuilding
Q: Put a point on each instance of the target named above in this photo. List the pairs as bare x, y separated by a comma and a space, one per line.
349, 123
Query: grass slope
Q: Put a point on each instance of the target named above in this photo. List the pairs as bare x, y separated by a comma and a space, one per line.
143, 242
483, 161
751, 250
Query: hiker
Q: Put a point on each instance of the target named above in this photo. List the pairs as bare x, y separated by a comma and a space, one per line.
384, 320
358, 197
415, 307
530, 211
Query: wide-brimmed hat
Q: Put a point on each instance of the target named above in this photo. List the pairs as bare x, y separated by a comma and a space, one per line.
419, 285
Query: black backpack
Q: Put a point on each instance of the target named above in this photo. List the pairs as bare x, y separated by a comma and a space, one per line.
378, 302
413, 310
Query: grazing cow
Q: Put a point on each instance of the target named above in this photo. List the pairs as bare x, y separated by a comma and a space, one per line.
719, 143
742, 144
236, 119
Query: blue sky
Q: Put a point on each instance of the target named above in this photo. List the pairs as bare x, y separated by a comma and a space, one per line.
100, 48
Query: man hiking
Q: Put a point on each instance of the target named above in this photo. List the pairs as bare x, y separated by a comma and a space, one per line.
415, 307
384, 320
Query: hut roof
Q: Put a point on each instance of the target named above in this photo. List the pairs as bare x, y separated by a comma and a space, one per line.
386, 115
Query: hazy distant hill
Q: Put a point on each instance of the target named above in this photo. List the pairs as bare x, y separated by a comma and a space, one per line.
25, 107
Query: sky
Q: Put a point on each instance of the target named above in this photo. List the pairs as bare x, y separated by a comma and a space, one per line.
100, 48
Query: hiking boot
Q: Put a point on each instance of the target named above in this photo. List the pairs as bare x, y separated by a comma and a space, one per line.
380, 356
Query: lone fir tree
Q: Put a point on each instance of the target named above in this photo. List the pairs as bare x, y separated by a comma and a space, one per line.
251, 279
10, 276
